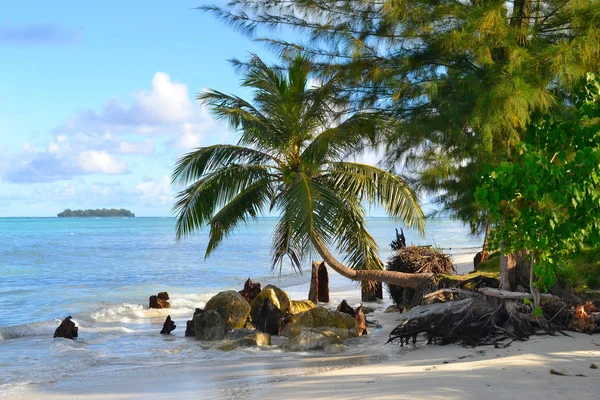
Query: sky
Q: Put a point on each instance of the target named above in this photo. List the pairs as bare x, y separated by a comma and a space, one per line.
97, 100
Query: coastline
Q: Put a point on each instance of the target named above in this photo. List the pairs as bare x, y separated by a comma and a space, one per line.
369, 369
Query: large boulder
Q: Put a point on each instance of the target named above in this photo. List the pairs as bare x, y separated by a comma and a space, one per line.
313, 340
232, 307
210, 325
321, 319
299, 306
282, 297
67, 329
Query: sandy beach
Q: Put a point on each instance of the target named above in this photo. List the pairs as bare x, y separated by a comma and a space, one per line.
371, 369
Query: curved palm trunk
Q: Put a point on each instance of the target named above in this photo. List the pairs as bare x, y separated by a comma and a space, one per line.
401, 279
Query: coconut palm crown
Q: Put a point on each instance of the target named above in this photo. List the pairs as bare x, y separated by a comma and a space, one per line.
290, 161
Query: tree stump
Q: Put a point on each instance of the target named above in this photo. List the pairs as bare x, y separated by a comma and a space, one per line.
168, 327
322, 284
313, 293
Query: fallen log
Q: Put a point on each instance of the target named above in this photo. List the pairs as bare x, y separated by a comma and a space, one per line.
507, 295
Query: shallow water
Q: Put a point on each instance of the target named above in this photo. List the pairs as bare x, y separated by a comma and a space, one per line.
102, 270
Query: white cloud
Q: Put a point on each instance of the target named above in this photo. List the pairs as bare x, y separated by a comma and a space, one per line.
101, 162
167, 102
155, 191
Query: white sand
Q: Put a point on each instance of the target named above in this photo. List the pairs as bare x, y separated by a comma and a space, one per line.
374, 371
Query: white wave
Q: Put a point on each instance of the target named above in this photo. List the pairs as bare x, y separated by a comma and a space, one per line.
32, 329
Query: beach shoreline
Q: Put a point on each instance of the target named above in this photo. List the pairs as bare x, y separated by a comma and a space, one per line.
370, 369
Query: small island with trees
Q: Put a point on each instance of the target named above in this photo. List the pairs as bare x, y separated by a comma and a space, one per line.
113, 212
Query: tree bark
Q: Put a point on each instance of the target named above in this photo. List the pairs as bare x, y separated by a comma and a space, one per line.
401, 279
313, 293
507, 264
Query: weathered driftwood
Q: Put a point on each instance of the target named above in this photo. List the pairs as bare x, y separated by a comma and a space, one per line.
507, 295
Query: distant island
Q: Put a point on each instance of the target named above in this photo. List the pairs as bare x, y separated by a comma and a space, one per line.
113, 212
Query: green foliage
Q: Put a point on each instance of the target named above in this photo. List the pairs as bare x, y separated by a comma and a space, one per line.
458, 80
581, 270
113, 212
290, 159
546, 199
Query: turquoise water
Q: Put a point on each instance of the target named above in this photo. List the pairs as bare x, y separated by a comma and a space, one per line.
102, 270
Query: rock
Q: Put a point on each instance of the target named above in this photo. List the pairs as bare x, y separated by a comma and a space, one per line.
210, 325
259, 301
392, 308
245, 338
168, 327
163, 296
361, 322
269, 318
189, 326
67, 329
255, 339
159, 301
239, 333
283, 297
321, 319
367, 310
298, 306
345, 308
312, 340
250, 291
335, 348
232, 307
323, 283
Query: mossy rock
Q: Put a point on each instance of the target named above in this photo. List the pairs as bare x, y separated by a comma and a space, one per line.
232, 307
322, 319
299, 306
282, 297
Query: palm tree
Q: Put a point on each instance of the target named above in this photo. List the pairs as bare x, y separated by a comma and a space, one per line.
290, 159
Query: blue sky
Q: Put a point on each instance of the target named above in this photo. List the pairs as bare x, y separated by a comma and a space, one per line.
97, 100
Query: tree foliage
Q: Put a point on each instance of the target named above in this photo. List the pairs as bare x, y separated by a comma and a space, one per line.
547, 199
458, 80
289, 159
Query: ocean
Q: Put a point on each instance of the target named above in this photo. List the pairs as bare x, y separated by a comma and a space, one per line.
101, 271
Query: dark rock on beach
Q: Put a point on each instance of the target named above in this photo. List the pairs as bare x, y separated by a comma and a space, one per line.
269, 318
159, 301
250, 291
67, 329
189, 326
168, 327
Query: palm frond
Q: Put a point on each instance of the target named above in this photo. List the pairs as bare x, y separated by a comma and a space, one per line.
375, 185
196, 204
194, 165
249, 203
